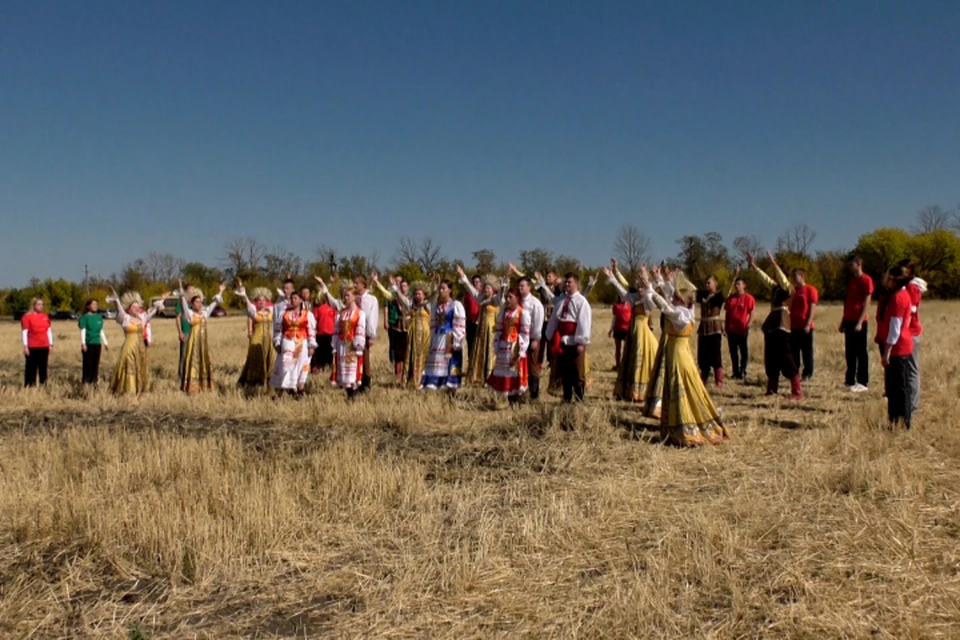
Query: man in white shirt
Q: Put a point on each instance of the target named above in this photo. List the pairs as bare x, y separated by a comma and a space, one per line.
280, 306
534, 308
569, 334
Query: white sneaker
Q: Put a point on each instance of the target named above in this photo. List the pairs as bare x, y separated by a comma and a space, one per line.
859, 388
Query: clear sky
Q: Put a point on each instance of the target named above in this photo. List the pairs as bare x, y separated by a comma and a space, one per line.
127, 127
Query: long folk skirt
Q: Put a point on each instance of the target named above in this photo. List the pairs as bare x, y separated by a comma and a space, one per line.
689, 417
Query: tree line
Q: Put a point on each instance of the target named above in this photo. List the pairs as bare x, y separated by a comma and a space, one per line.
933, 244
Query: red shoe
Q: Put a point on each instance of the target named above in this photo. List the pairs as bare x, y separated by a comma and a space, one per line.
796, 388
718, 378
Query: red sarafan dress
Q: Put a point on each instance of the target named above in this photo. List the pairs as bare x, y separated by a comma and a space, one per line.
511, 339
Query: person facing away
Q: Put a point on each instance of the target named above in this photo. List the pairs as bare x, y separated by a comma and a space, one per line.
854, 327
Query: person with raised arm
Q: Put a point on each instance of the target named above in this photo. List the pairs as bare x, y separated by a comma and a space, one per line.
533, 309
482, 350
710, 332
511, 339
556, 295
36, 336
738, 315
777, 347
197, 364
325, 317
261, 355
295, 341
395, 323
689, 418
417, 309
569, 335
349, 343
448, 328
130, 375
371, 311
93, 339
636, 366
655, 392
471, 307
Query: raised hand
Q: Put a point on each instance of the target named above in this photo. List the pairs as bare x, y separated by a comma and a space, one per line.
375, 276
538, 276
459, 270
613, 263
607, 272
223, 287
770, 257
239, 283
750, 261
320, 280
180, 283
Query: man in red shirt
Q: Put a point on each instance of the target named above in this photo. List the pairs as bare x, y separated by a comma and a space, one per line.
803, 304
472, 309
37, 338
856, 306
738, 310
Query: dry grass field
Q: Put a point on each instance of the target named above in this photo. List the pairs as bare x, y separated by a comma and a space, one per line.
405, 515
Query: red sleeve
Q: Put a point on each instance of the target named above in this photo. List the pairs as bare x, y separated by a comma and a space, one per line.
812, 296
868, 282
25, 322
751, 304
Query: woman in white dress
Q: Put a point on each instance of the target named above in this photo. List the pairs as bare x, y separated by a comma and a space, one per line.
295, 338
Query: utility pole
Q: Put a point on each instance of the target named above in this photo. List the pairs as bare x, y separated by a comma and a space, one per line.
86, 279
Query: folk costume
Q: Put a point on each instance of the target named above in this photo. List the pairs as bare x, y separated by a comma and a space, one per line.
448, 328
261, 356
297, 335
483, 350
197, 365
689, 417
131, 374
418, 335
777, 341
555, 297
511, 339
639, 354
569, 335
533, 309
371, 312
349, 342
710, 336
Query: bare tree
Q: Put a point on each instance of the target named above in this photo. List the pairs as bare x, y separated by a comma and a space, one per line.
797, 240
486, 260
932, 218
747, 244
243, 256
279, 262
632, 248
406, 252
163, 267
427, 254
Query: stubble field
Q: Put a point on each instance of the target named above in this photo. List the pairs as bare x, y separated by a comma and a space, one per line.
405, 515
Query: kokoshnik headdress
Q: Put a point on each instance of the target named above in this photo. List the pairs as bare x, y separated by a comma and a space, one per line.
129, 298
260, 292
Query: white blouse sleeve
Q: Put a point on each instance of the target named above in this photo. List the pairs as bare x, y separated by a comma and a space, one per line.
584, 321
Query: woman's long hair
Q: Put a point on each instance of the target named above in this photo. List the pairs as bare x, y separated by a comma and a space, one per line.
897, 278
86, 307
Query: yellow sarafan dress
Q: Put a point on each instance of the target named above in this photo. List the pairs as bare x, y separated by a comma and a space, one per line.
655, 390
130, 374
261, 356
483, 353
418, 346
197, 366
635, 373
689, 417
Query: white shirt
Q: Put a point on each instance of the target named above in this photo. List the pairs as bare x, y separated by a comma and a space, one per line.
680, 316
573, 309
370, 306
534, 309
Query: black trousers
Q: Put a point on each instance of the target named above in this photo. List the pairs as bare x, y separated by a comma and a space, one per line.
855, 347
778, 356
471, 336
739, 354
802, 344
365, 378
36, 366
897, 386
572, 366
709, 353
91, 364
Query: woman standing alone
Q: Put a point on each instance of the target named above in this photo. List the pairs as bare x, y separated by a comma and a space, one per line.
37, 343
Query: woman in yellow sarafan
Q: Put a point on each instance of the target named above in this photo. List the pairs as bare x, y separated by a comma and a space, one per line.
131, 374
689, 417
261, 355
417, 308
483, 351
635, 373
197, 366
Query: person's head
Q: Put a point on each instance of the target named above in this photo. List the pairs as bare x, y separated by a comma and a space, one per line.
524, 286
349, 296
908, 266
898, 277
856, 265
296, 302
551, 277
780, 297
444, 291
488, 291
711, 284
571, 283
419, 295
91, 306
885, 280
196, 303
36, 305
477, 281
799, 277
288, 287
404, 287
360, 282
740, 285
513, 298
305, 293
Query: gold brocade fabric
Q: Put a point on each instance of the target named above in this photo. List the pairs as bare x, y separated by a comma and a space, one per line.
483, 355
130, 375
418, 347
197, 367
637, 363
655, 390
261, 356
689, 417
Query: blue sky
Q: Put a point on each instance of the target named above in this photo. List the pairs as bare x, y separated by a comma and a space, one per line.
127, 127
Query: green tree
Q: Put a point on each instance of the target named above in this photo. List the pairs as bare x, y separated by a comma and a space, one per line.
882, 248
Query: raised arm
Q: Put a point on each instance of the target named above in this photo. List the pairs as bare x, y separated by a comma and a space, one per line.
542, 285
217, 299
614, 278
336, 304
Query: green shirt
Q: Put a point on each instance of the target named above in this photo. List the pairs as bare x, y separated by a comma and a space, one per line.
184, 325
93, 323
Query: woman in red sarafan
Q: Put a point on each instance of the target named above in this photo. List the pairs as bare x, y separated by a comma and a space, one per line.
511, 340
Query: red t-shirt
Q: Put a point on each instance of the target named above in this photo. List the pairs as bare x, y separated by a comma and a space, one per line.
622, 312
738, 308
914, 292
37, 326
858, 289
471, 307
803, 299
326, 317
899, 308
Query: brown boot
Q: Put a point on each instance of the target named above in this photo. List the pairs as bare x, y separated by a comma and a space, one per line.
796, 388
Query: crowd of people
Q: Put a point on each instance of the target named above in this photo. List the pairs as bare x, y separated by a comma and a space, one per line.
512, 328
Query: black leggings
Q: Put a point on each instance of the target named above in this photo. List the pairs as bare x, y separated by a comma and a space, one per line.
899, 402
91, 364
36, 366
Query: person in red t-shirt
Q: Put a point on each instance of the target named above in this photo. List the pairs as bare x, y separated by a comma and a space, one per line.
620, 327
738, 314
472, 308
37, 337
803, 304
897, 346
915, 288
326, 317
856, 307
